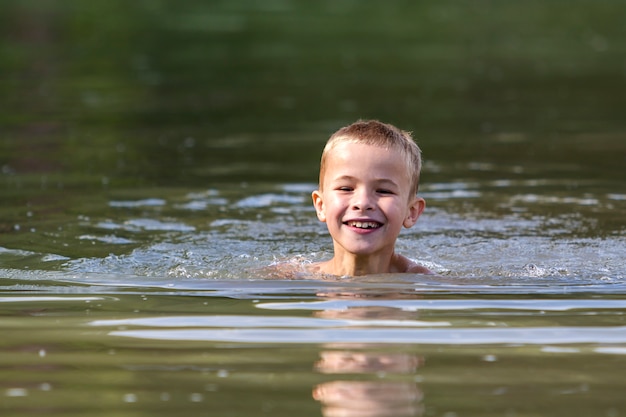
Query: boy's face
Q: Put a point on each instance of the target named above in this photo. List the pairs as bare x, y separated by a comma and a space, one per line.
365, 199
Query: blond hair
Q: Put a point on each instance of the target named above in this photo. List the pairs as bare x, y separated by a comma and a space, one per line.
383, 135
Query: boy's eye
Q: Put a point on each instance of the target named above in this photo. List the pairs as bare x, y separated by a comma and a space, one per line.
344, 188
385, 191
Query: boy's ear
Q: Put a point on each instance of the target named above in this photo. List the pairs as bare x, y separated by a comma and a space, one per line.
415, 210
318, 203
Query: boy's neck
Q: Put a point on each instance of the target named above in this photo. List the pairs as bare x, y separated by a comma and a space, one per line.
354, 265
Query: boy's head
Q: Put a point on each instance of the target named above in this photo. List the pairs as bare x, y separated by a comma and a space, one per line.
369, 176
383, 135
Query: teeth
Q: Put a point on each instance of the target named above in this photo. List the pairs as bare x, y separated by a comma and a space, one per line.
364, 225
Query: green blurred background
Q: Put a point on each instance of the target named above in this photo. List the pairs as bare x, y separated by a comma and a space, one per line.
195, 92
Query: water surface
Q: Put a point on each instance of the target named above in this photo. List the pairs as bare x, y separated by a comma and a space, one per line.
156, 158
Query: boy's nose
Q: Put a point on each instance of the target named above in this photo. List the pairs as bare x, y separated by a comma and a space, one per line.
362, 201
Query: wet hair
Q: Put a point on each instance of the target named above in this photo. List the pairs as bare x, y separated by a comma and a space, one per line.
383, 135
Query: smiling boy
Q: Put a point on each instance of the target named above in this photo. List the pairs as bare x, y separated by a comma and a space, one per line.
369, 175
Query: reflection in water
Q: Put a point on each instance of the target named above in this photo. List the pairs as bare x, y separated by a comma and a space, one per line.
368, 398
367, 313
371, 397
335, 362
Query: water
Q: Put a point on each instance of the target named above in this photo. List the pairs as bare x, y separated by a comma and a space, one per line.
155, 159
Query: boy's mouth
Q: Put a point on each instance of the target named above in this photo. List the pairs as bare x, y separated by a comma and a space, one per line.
363, 224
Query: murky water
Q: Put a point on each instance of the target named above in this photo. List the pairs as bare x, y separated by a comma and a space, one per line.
156, 158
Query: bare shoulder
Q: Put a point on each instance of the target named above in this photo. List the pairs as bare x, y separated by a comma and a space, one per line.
420, 269
409, 266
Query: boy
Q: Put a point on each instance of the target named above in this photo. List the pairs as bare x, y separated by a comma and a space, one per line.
369, 175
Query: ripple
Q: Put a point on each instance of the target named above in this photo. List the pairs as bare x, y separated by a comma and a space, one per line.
612, 350
15, 252
464, 336
47, 298
550, 199
148, 202
259, 322
619, 197
448, 305
267, 200
115, 240
135, 225
198, 205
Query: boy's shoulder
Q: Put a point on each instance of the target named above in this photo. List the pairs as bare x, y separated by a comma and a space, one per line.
407, 265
